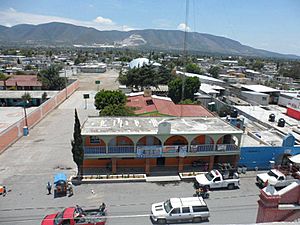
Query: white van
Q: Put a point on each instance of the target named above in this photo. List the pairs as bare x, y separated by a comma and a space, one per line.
191, 209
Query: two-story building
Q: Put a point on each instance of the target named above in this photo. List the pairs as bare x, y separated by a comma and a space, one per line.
150, 143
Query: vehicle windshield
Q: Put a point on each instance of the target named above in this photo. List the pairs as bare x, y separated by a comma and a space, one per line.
167, 206
270, 173
59, 217
209, 176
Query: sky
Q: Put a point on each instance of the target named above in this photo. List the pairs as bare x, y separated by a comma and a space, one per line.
266, 24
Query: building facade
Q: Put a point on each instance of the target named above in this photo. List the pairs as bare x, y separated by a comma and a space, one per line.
147, 144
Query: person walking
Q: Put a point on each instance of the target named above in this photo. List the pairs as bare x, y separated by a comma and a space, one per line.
4, 191
49, 187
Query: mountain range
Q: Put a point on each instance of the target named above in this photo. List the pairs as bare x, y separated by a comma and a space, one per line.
62, 34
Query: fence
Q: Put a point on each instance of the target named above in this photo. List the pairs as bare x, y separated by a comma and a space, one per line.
15, 131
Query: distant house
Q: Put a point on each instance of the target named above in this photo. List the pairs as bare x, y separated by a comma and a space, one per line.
23, 82
151, 105
273, 93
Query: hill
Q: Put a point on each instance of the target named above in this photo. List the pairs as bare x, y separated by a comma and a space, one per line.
67, 34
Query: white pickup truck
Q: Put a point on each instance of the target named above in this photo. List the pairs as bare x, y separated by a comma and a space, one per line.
214, 179
282, 180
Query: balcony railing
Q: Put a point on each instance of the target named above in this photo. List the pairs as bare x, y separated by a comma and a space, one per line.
202, 148
95, 150
161, 150
120, 149
227, 147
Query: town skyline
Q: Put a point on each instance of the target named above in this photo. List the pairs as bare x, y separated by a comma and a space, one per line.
266, 25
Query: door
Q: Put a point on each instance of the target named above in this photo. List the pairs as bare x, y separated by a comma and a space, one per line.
175, 215
186, 214
217, 183
161, 161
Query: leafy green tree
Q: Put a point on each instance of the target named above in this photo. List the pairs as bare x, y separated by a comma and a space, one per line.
106, 97
214, 71
51, 80
147, 75
257, 65
175, 89
77, 146
193, 68
3, 77
192, 85
187, 102
26, 97
116, 110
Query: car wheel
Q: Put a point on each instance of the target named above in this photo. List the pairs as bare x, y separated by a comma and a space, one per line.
161, 221
197, 220
230, 186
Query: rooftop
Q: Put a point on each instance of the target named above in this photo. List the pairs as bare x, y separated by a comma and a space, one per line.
201, 77
33, 94
149, 125
163, 105
23, 80
260, 88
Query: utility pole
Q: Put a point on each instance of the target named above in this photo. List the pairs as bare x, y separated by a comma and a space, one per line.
185, 47
66, 82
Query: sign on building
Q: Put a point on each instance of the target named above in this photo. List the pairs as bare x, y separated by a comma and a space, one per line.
149, 151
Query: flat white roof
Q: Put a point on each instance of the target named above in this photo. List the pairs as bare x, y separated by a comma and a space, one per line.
255, 93
33, 94
260, 88
201, 77
149, 125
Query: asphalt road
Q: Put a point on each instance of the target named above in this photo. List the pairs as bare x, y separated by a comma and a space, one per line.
127, 203
27, 165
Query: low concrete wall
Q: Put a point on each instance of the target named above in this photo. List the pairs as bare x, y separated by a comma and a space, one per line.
15, 131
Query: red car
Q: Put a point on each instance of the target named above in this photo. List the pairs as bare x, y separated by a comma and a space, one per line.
76, 215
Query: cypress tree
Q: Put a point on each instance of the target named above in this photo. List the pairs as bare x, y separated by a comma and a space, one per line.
77, 146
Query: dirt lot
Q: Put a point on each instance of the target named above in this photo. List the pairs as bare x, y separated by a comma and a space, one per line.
108, 80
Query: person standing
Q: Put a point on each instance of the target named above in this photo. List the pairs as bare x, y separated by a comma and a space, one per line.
49, 187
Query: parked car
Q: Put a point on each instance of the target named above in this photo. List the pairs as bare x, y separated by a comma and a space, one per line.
191, 209
282, 179
76, 215
215, 179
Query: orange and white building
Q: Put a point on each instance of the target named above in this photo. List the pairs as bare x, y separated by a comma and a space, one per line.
149, 143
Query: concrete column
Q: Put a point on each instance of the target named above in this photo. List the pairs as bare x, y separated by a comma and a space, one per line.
180, 164
147, 166
211, 162
114, 165
236, 159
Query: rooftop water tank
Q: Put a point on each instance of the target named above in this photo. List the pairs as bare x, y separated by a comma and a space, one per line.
272, 117
234, 113
281, 122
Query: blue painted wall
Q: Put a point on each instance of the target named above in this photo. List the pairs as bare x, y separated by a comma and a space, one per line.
260, 156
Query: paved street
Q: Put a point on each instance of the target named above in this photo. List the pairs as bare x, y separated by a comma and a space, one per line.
27, 165
127, 203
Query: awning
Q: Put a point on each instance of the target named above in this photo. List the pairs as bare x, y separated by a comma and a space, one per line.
295, 159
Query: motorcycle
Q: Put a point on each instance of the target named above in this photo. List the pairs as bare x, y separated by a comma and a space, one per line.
201, 192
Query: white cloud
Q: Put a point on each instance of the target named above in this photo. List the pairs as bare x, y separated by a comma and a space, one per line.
11, 17
183, 27
102, 20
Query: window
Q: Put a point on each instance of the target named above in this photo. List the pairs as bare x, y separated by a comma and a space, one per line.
200, 209
94, 140
217, 179
185, 209
280, 178
264, 98
175, 211
66, 222
149, 102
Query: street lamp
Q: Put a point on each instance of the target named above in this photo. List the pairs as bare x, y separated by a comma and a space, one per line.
25, 129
